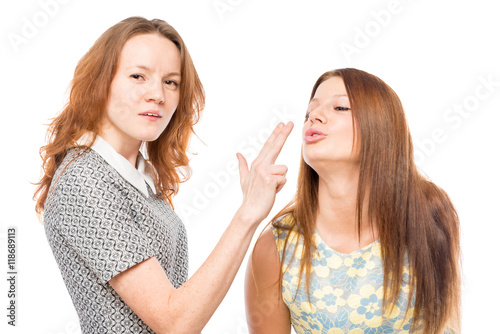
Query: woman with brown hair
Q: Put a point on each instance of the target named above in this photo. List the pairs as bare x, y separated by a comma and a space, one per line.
114, 160
368, 245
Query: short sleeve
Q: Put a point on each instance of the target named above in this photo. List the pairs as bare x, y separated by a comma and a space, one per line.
91, 215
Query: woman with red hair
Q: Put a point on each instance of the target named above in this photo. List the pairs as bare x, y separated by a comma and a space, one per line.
115, 158
368, 245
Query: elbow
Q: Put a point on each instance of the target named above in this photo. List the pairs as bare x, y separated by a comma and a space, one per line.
178, 325
176, 317
180, 329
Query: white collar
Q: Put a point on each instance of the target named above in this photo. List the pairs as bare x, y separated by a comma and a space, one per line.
136, 177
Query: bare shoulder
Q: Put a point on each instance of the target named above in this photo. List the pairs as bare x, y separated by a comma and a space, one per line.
266, 311
266, 242
265, 260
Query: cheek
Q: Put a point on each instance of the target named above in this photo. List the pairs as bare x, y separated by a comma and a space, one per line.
168, 118
122, 94
122, 102
173, 99
349, 135
347, 132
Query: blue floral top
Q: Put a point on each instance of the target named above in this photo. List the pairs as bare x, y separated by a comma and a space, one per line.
346, 290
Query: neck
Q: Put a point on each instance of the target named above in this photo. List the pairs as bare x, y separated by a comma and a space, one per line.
122, 143
128, 149
337, 196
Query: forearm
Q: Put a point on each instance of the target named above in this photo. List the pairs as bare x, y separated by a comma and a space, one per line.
196, 301
188, 308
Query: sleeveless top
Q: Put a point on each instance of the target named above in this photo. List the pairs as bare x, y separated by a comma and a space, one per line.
346, 290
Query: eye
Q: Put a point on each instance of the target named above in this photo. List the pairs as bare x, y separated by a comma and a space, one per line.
171, 84
137, 76
339, 108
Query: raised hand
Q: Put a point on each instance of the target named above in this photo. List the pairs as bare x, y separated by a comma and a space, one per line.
264, 180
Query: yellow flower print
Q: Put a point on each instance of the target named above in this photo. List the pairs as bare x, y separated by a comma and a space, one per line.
307, 307
394, 311
356, 331
329, 298
351, 271
367, 306
300, 248
359, 265
324, 259
287, 296
334, 261
403, 326
346, 291
405, 283
376, 251
294, 309
321, 270
316, 239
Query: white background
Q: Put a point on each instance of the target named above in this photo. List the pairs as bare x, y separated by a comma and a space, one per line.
258, 61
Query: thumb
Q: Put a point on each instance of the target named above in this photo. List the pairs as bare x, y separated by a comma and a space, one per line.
243, 167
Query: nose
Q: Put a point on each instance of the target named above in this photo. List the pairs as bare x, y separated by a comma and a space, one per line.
317, 115
155, 93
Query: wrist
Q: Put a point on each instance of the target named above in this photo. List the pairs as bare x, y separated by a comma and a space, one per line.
245, 219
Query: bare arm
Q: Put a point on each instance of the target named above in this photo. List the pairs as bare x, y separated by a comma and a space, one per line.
266, 311
148, 292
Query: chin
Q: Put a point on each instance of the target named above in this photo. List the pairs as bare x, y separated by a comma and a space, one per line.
327, 162
147, 137
313, 162
313, 155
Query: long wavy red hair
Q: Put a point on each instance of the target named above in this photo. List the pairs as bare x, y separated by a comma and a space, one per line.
412, 214
89, 96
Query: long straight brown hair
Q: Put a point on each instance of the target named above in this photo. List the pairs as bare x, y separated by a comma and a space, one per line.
89, 96
412, 214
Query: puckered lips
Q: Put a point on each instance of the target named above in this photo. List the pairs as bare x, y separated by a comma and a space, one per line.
312, 135
152, 115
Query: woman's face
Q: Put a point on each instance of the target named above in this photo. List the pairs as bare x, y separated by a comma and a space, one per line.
328, 131
144, 92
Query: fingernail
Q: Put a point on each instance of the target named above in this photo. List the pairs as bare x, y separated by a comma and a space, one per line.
281, 125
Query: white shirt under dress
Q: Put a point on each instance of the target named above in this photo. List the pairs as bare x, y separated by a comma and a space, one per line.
102, 217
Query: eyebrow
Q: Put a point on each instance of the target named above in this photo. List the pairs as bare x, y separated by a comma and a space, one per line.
333, 95
148, 69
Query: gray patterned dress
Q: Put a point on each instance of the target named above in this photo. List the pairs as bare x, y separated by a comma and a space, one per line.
99, 225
